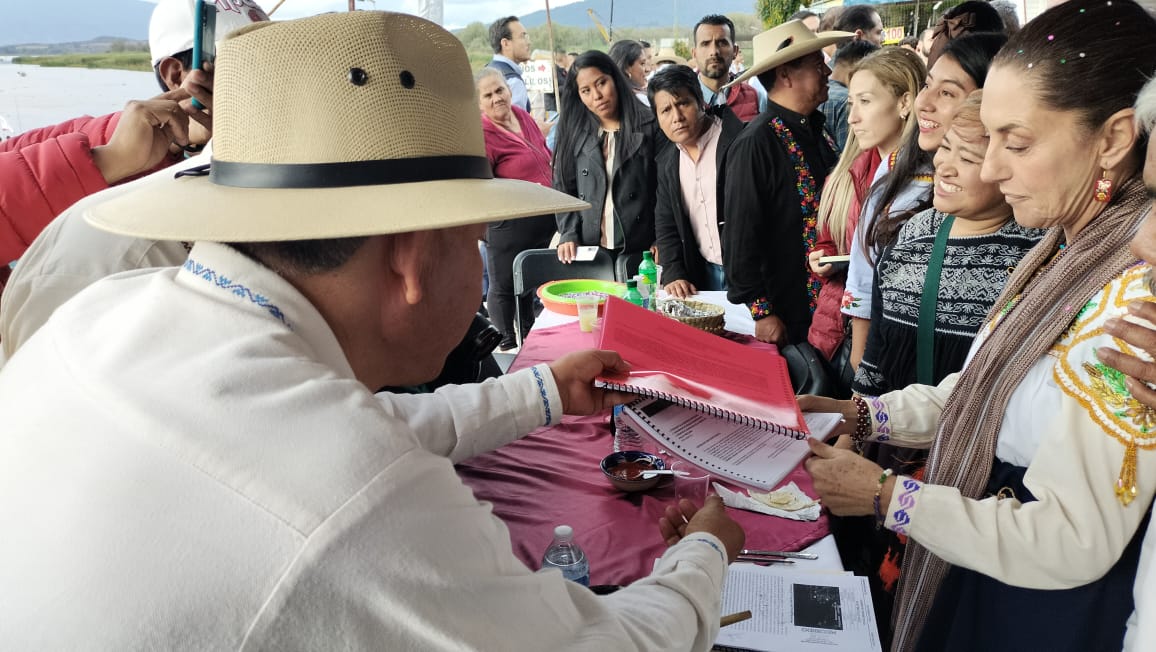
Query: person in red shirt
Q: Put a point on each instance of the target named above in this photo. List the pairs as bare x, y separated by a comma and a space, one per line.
517, 150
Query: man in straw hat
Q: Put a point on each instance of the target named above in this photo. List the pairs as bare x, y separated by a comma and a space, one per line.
773, 173
212, 469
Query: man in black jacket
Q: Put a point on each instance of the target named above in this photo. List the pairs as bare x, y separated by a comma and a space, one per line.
773, 173
686, 214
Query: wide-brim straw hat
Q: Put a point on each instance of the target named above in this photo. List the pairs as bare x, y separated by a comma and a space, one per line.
786, 43
667, 55
338, 125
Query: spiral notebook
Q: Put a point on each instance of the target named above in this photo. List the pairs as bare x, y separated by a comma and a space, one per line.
699, 370
743, 453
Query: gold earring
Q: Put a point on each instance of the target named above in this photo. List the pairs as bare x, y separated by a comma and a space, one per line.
1102, 188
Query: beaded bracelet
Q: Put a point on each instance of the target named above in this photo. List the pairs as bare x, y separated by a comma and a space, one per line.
879, 490
862, 419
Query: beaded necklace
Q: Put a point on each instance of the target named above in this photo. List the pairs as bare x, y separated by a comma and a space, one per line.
808, 200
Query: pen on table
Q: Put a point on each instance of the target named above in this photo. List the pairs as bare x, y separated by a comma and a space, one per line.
780, 553
734, 618
752, 559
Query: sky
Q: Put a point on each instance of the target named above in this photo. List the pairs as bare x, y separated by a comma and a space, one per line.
456, 13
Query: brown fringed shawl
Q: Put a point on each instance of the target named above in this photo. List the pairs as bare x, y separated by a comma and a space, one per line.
969, 426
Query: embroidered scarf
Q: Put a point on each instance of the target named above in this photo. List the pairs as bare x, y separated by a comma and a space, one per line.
808, 201
969, 425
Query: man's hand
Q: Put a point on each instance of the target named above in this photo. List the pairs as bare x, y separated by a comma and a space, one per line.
684, 518
845, 481
771, 330
680, 289
146, 130
574, 374
1140, 372
567, 251
811, 403
199, 84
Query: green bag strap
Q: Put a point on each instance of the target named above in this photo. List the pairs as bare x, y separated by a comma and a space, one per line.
925, 344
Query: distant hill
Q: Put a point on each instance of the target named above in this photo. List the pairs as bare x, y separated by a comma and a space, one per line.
73, 21
95, 46
639, 13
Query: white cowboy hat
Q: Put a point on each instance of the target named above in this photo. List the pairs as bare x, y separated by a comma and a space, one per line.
667, 55
785, 43
338, 125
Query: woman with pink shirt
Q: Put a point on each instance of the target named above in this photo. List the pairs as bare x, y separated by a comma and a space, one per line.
517, 150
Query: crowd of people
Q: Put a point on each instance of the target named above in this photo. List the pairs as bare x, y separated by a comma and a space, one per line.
205, 303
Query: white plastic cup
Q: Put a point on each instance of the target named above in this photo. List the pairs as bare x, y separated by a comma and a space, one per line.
587, 312
694, 486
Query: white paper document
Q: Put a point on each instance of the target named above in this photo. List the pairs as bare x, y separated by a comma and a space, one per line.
798, 611
743, 453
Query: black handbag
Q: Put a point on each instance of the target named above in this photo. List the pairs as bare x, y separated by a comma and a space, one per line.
811, 373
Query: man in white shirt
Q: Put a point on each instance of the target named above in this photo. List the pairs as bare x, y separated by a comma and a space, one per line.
686, 213
511, 44
193, 458
1141, 633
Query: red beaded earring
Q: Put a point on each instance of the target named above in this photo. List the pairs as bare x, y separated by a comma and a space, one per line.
1102, 189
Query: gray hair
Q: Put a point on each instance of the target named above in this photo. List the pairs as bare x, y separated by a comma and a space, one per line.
488, 72
1146, 108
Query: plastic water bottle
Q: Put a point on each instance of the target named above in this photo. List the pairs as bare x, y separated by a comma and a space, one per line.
626, 438
632, 294
566, 556
649, 272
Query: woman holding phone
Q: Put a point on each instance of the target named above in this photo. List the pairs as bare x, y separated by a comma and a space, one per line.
607, 141
882, 89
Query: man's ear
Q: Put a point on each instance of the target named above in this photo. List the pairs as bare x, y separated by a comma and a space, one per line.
783, 74
406, 260
171, 72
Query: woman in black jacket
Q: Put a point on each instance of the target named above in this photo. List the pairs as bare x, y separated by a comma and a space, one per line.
606, 140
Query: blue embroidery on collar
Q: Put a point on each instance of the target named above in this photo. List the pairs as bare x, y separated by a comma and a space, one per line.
237, 289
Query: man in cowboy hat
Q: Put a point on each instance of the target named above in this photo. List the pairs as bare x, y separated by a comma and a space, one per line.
773, 173
212, 470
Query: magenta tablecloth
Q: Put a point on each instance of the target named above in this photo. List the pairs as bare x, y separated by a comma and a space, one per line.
551, 477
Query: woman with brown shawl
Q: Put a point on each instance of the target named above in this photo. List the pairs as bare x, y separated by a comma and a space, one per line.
1023, 534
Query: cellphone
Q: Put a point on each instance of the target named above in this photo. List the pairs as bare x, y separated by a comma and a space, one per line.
204, 37
837, 263
586, 253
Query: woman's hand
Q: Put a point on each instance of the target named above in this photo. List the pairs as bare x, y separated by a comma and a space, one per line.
845, 481
818, 269
680, 289
567, 251
810, 403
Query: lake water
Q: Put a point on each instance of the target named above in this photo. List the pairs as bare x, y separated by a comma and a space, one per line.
32, 97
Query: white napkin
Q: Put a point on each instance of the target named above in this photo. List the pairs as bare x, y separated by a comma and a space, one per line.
743, 501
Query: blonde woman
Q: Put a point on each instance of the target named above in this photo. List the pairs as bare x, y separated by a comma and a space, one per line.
881, 91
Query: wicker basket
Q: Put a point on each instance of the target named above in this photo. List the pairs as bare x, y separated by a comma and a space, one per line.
701, 315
